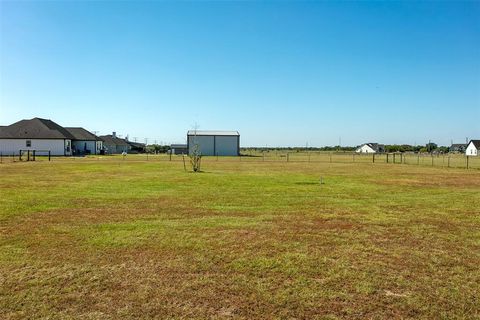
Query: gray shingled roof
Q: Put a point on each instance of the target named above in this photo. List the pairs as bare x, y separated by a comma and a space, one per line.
36, 128
212, 133
136, 144
82, 134
110, 140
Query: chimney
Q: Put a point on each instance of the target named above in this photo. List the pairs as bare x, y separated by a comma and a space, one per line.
114, 134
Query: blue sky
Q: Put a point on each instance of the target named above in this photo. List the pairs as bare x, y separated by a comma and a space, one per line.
281, 73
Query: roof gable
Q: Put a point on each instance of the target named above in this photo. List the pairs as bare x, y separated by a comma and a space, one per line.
36, 128
476, 143
374, 146
82, 134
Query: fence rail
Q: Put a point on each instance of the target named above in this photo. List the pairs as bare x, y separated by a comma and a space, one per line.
442, 160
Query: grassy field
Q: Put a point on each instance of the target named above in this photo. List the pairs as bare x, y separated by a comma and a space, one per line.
135, 239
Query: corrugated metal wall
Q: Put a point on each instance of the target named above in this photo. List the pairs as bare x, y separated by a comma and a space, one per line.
215, 145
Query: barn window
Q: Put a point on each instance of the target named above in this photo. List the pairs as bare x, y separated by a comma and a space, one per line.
28, 143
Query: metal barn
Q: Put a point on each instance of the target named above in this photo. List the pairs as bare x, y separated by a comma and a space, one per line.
214, 143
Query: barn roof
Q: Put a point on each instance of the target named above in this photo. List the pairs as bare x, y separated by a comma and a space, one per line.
212, 133
36, 128
82, 134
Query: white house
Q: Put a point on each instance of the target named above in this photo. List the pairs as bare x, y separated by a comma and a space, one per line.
37, 134
473, 148
214, 143
84, 141
370, 148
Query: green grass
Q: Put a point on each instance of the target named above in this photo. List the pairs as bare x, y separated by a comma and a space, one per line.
135, 239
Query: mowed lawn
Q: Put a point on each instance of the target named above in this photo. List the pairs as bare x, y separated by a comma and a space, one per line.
242, 240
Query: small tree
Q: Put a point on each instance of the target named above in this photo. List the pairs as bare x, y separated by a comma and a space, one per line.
195, 158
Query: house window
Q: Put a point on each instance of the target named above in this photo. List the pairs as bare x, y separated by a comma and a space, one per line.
28, 143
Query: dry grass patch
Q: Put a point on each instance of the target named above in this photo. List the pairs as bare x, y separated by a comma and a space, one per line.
108, 240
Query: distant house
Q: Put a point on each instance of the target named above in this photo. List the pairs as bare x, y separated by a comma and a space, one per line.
36, 134
115, 145
178, 148
458, 147
370, 148
473, 148
84, 141
137, 147
214, 143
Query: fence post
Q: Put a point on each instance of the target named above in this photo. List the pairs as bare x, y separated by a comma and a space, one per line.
373, 158
288, 154
263, 155
448, 163
330, 157
353, 155
170, 155
33, 155
432, 159
467, 162
418, 158
48, 155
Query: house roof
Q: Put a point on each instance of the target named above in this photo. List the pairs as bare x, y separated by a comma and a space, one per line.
212, 133
110, 140
178, 146
375, 146
82, 134
458, 145
36, 128
136, 144
476, 143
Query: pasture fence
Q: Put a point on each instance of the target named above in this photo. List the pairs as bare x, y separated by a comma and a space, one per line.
419, 159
